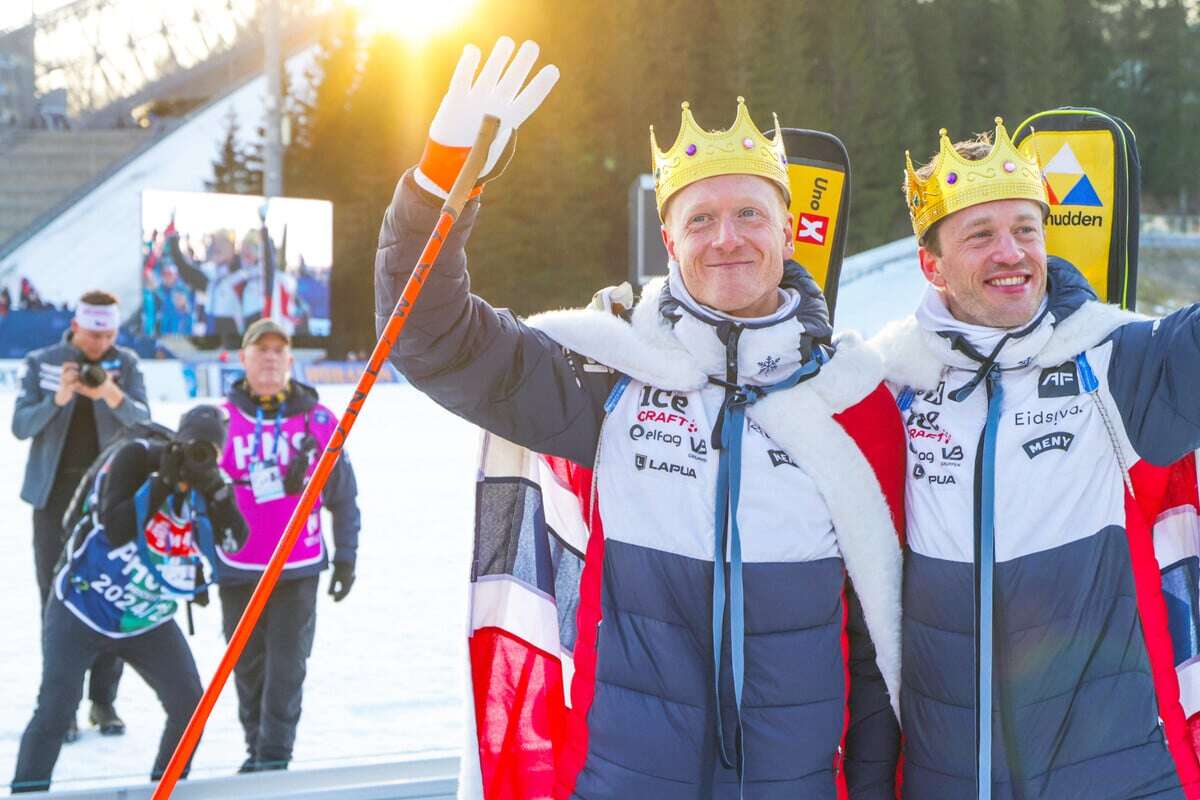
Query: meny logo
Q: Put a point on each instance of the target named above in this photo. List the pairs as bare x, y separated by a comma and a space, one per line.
1051, 441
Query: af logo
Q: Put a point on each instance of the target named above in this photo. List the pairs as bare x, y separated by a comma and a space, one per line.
1060, 381
812, 228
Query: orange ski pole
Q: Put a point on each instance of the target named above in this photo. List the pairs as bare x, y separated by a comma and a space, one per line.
266, 584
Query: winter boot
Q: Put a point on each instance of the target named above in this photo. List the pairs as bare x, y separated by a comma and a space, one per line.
72, 734
104, 717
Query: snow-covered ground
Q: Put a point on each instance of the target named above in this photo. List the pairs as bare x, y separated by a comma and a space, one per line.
387, 671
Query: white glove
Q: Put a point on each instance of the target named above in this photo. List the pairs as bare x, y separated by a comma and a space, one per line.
496, 91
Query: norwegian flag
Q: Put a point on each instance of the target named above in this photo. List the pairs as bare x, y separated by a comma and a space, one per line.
534, 611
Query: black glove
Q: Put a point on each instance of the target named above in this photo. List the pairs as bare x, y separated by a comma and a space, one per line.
208, 481
170, 465
342, 580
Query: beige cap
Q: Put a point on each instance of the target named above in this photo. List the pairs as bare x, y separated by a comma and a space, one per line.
264, 327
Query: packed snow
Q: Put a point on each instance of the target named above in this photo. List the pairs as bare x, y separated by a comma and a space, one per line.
387, 672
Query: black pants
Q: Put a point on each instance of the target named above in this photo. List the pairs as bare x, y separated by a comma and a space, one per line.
48, 541
270, 674
161, 656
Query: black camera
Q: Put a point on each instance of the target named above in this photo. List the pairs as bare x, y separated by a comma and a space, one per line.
92, 375
199, 455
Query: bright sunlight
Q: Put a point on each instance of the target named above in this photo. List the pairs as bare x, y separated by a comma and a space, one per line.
414, 20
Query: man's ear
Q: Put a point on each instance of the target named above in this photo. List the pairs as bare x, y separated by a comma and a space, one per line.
931, 267
668, 242
789, 243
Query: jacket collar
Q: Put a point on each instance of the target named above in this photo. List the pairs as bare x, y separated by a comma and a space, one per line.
1076, 321
669, 349
300, 398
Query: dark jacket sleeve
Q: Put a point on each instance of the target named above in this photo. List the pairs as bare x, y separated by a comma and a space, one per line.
35, 406
1154, 376
130, 467
340, 496
873, 738
482, 364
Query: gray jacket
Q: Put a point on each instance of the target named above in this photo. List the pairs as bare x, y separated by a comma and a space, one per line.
36, 415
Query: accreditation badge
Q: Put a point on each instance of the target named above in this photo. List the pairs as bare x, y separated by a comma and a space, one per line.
266, 481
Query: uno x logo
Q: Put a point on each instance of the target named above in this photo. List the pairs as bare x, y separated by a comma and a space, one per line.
813, 228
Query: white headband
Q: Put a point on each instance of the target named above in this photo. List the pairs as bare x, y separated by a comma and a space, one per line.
98, 318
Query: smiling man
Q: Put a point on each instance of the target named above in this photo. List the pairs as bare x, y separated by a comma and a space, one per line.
720, 428
1037, 655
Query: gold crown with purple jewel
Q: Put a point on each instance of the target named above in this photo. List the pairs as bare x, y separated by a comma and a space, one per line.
697, 154
1007, 173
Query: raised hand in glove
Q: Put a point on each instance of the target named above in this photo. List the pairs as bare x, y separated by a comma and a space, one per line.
342, 580
496, 91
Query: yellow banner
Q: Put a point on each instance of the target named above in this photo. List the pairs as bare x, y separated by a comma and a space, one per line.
816, 201
1079, 171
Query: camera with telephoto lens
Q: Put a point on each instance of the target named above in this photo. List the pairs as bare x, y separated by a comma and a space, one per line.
198, 455
92, 375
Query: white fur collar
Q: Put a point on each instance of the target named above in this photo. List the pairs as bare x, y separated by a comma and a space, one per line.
909, 359
647, 350
801, 421
802, 424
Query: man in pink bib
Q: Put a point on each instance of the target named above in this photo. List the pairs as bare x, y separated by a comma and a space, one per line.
277, 430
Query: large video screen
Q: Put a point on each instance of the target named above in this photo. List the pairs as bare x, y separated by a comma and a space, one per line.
214, 263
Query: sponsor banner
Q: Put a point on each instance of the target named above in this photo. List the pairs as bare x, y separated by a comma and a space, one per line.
325, 372
1079, 172
816, 200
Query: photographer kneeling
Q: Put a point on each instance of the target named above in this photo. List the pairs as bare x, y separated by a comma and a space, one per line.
152, 515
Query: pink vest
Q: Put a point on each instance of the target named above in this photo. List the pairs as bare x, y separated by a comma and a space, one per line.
268, 520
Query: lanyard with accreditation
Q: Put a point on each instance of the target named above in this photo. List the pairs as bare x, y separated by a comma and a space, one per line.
266, 480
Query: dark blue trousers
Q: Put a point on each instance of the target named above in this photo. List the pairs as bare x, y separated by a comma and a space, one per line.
270, 674
69, 647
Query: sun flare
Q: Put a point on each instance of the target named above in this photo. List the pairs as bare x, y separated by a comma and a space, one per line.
414, 20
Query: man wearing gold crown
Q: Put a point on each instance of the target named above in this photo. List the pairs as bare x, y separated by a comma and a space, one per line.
1038, 657
608, 658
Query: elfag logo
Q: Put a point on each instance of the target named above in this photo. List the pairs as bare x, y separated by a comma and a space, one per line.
1066, 182
812, 228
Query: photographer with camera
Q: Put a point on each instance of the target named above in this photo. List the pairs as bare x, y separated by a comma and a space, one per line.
76, 397
277, 430
150, 523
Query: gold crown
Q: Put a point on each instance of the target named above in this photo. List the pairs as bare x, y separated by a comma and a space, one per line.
956, 183
698, 154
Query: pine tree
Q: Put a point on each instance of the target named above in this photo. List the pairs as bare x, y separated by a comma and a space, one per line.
233, 172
